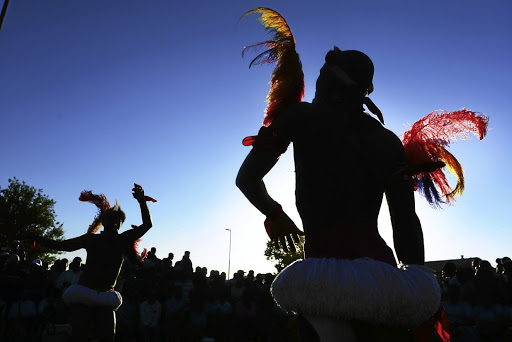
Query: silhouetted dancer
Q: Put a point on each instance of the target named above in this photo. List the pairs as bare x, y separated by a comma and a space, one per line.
348, 287
93, 300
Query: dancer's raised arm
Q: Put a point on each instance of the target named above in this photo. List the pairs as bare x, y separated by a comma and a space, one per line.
138, 231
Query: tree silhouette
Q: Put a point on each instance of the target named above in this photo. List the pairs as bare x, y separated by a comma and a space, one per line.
281, 259
25, 211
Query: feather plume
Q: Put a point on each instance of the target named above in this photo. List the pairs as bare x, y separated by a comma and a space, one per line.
287, 80
425, 145
99, 201
135, 255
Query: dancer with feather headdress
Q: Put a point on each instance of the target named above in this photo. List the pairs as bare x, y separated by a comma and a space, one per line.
94, 299
348, 286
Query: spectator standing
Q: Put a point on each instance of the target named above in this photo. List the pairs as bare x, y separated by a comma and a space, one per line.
71, 276
150, 313
175, 320
168, 262
185, 264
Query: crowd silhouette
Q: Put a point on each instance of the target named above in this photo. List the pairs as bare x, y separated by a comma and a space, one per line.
162, 301
478, 300
165, 300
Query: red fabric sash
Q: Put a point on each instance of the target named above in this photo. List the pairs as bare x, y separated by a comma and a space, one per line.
349, 240
438, 322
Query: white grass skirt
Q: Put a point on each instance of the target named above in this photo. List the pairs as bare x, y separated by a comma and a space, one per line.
79, 294
362, 289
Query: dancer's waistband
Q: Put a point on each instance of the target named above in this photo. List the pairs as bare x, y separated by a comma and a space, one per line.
348, 240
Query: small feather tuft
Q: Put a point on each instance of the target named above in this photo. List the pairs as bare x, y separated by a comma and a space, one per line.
135, 256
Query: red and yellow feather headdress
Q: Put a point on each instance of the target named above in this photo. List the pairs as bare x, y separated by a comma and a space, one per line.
425, 142
101, 202
287, 80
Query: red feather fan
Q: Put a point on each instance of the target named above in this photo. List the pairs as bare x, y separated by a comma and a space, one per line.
425, 146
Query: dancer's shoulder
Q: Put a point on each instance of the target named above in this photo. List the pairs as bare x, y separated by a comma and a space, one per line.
295, 119
382, 132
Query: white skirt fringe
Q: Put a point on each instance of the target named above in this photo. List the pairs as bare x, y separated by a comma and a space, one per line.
79, 294
362, 289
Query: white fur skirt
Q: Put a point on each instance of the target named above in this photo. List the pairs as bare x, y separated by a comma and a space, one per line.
79, 294
362, 289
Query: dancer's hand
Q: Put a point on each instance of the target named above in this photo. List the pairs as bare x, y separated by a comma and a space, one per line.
281, 230
138, 192
31, 237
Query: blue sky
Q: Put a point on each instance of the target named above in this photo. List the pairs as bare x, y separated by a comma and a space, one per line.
100, 94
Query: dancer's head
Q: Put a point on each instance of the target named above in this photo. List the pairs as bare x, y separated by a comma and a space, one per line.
345, 74
113, 218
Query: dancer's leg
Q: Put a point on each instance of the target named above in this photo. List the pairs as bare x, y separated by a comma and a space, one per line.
80, 321
332, 330
306, 331
105, 322
367, 332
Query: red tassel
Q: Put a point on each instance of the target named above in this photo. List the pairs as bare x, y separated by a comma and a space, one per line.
249, 141
441, 324
149, 199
